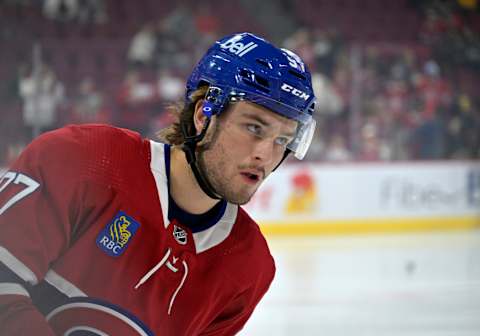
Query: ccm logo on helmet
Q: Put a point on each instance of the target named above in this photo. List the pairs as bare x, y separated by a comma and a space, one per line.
236, 47
295, 91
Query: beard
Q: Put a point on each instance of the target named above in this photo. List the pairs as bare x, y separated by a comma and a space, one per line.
214, 161
213, 168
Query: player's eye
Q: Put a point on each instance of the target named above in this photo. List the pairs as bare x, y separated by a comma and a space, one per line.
282, 141
255, 129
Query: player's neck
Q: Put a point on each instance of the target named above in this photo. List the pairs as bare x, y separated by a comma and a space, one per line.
184, 188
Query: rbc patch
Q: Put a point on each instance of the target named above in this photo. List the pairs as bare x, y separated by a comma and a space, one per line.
114, 238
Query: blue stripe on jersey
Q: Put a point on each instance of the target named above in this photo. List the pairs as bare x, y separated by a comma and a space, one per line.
7, 275
46, 297
196, 223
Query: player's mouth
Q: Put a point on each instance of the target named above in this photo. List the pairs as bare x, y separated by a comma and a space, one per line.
251, 177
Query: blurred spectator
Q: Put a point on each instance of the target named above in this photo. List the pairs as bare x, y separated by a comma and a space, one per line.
13, 151
135, 99
181, 23
42, 94
372, 147
143, 45
317, 148
342, 84
396, 96
83, 11
173, 52
136, 91
337, 150
170, 90
206, 22
88, 104
301, 43
60, 10
329, 102
170, 87
92, 11
434, 95
326, 45
463, 129
434, 91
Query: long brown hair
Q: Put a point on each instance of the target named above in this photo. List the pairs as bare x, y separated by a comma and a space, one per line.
183, 113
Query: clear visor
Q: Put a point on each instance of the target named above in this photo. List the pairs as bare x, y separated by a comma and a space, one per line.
306, 124
303, 139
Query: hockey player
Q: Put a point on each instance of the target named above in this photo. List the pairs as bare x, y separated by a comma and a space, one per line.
105, 233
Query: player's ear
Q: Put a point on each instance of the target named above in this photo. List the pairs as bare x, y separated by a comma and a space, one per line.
198, 116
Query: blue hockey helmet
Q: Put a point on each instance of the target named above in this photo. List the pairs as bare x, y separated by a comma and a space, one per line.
246, 67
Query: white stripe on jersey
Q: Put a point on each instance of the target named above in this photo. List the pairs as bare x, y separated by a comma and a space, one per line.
17, 267
157, 165
7, 288
62, 284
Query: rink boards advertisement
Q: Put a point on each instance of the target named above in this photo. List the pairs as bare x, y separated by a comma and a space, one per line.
351, 198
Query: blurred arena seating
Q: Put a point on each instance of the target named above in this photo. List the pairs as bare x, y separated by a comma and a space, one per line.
379, 20
96, 45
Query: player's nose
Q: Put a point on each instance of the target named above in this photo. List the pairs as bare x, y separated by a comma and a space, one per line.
263, 151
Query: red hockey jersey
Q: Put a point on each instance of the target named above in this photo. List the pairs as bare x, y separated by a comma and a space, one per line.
87, 245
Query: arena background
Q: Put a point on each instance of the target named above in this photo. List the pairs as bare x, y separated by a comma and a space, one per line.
377, 232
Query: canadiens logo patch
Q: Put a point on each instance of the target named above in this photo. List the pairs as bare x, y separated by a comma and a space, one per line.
116, 236
85, 316
180, 235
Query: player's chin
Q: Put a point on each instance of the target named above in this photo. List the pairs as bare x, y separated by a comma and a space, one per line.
241, 197
240, 201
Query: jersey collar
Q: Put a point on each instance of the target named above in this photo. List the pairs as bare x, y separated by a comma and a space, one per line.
209, 235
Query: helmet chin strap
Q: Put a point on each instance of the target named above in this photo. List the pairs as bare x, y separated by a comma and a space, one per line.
285, 154
189, 147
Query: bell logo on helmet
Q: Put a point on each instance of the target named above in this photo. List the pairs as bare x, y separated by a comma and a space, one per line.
295, 91
236, 47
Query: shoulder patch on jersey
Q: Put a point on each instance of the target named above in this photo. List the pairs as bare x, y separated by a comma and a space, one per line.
117, 234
